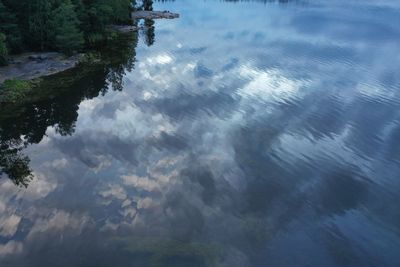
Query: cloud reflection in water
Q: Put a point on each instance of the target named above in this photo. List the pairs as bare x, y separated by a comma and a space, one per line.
264, 140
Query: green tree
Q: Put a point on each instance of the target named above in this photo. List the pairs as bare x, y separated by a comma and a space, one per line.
101, 13
9, 27
60, 24
3, 50
65, 29
38, 22
121, 10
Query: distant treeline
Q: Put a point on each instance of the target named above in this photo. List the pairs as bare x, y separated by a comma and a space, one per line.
60, 25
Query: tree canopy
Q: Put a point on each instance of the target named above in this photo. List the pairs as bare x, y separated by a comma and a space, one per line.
61, 25
3, 50
65, 27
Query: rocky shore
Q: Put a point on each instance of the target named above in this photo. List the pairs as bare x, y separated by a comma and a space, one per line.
143, 14
29, 66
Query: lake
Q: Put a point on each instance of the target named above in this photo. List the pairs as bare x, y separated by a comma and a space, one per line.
244, 133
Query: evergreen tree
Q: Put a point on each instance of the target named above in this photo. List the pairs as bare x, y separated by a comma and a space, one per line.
3, 50
38, 22
9, 27
121, 10
60, 24
65, 29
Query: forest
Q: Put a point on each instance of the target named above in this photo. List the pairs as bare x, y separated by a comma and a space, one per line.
66, 26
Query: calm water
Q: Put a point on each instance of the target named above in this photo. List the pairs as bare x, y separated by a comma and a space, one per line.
256, 133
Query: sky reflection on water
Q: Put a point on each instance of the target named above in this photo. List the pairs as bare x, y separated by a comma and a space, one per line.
248, 134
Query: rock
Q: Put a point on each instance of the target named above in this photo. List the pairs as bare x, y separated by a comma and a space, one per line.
33, 65
143, 14
33, 57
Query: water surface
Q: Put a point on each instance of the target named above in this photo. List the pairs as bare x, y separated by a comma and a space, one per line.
254, 133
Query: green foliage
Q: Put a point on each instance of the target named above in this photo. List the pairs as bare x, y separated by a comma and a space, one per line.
64, 24
91, 58
95, 38
120, 10
38, 22
14, 90
9, 27
3, 50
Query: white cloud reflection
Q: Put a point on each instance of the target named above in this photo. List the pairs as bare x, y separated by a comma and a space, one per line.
203, 144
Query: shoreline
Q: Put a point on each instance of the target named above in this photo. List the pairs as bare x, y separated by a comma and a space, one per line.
148, 14
33, 65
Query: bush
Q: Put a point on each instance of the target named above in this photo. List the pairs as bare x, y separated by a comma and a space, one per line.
14, 90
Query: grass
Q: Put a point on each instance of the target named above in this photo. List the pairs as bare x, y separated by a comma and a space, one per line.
14, 90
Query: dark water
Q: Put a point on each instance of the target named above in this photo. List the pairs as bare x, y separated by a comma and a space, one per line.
256, 133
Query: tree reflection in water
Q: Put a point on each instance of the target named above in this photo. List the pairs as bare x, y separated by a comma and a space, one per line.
55, 102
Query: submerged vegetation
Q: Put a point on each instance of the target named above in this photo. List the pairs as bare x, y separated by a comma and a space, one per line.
157, 252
